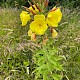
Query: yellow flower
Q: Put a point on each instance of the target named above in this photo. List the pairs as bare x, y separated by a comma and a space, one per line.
25, 17
39, 17
54, 17
34, 9
54, 33
30, 32
39, 26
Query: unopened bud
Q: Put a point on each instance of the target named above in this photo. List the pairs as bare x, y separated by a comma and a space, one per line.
33, 37
54, 33
53, 9
46, 3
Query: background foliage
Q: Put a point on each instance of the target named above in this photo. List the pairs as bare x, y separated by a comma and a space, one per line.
65, 3
16, 49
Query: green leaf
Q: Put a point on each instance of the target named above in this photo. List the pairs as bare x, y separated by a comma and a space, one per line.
52, 61
45, 75
38, 69
59, 67
26, 63
57, 77
52, 52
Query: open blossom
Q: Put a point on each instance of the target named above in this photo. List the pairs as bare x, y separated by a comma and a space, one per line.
25, 17
54, 17
39, 26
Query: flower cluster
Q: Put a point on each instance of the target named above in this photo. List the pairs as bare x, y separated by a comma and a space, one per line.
40, 19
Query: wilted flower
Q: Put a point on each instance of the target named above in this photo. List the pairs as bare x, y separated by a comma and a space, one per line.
39, 26
25, 17
54, 17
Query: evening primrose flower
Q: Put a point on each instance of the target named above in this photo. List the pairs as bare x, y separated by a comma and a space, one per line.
54, 17
25, 17
39, 26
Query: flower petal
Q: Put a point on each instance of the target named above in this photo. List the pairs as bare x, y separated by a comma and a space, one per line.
25, 17
39, 17
54, 17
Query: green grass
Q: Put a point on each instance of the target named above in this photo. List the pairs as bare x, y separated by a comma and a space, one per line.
69, 42
14, 44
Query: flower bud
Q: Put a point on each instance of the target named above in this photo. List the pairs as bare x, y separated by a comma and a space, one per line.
54, 33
